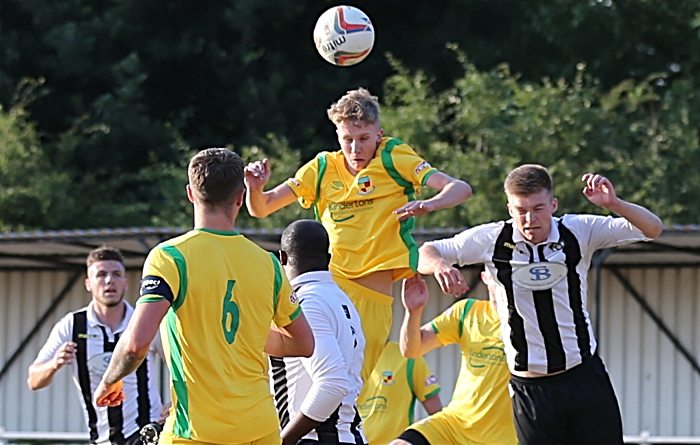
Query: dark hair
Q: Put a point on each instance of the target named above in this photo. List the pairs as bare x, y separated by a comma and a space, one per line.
104, 253
527, 180
216, 176
306, 244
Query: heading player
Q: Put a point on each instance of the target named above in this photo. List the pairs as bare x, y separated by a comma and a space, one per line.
364, 195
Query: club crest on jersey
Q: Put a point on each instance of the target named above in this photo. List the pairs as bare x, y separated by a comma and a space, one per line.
365, 185
293, 297
388, 378
539, 276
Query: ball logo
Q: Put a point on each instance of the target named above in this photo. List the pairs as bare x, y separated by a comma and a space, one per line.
539, 276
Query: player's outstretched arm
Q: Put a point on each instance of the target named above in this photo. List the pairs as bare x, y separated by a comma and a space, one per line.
451, 193
293, 340
41, 374
261, 203
297, 427
432, 404
448, 277
415, 340
600, 191
130, 351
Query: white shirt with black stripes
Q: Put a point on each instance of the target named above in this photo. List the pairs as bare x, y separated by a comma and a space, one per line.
545, 330
325, 386
142, 403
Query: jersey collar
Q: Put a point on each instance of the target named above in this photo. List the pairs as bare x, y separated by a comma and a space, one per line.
94, 321
308, 277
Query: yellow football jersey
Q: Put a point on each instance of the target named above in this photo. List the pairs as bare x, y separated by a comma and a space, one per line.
387, 407
480, 410
224, 292
357, 210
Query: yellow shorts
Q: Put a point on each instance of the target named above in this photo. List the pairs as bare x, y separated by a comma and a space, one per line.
446, 427
168, 438
375, 315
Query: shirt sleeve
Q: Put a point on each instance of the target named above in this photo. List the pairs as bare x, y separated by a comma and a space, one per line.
447, 326
160, 278
326, 365
425, 384
60, 333
287, 307
303, 184
411, 166
468, 247
606, 231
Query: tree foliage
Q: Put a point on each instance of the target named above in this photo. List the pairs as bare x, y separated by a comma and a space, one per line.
115, 97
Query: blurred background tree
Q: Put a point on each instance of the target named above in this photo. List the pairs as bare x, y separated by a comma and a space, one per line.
114, 96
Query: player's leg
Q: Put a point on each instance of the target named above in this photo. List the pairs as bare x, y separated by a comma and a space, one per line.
538, 411
375, 315
598, 418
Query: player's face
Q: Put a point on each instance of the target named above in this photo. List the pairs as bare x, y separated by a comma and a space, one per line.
532, 214
359, 142
107, 282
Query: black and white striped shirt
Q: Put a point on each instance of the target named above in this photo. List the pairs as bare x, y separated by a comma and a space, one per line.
96, 342
547, 329
325, 386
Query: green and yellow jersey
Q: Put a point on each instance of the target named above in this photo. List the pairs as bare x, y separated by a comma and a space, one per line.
387, 405
224, 291
480, 411
357, 210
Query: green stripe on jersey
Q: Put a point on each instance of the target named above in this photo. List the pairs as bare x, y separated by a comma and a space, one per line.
463, 315
407, 225
278, 281
409, 376
181, 426
181, 264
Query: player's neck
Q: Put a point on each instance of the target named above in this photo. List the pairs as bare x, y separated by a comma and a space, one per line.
111, 316
214, 220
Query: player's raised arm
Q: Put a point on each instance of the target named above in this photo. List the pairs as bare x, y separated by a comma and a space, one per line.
293, 340
261, 203
600, 191
451, 193
448, 277
415, 341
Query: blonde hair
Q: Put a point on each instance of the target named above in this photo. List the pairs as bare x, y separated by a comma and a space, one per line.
357, 105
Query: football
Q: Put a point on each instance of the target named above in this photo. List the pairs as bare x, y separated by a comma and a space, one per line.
344, 35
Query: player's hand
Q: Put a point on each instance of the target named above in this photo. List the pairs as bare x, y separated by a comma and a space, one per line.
109, 395
413, 208
599, 190
451, 280
65, 354
414, 293
257, 174
164, 412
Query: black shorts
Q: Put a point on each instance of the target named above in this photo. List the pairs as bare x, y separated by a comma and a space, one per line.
577, 407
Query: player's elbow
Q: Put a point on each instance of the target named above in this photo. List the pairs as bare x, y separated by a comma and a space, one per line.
655, 230
462, 189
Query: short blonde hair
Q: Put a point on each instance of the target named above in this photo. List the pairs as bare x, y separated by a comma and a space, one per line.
357, 105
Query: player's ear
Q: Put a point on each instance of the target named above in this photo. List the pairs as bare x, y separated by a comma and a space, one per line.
555, 205
190, 195
283, 257
87, 285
